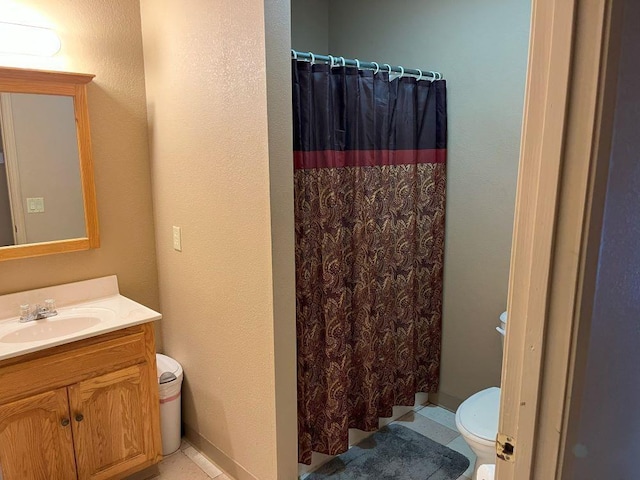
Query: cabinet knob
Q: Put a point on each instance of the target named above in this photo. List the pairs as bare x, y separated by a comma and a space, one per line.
64, 422
79, 417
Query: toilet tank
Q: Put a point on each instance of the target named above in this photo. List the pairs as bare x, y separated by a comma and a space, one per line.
502, 329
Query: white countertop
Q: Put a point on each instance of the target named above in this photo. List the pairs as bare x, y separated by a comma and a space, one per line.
126, 313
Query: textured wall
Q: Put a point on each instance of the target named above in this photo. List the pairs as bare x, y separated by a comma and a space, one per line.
310, 26
481, 48
102, 38
207, 104
608, 426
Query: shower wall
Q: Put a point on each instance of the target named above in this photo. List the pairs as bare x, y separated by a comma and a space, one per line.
481, 48
310, 25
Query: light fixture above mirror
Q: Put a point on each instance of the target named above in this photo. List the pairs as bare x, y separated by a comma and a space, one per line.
28, 40
45, 164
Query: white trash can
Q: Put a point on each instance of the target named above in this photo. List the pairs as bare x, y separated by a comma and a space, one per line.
487, 471
170, 385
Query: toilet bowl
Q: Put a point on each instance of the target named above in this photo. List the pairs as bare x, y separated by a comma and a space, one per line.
477, 418
477, 422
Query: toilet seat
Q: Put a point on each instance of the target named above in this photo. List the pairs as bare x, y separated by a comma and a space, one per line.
477, 416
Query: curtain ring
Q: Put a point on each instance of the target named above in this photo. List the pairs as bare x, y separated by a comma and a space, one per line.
433, 76
401, 71
313, 58
357, 64
377, 68
388, 66
439, 75
295, 54
420, 77
331, 59
344, 62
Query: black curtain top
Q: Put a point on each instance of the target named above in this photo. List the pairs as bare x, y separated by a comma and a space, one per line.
344, 109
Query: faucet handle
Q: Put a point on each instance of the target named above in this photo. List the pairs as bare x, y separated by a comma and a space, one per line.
50, 305
25, 311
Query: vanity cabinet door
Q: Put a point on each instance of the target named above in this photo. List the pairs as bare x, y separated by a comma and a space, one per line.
111, 428
35, 438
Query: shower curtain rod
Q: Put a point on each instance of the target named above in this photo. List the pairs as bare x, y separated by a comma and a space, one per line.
342, 62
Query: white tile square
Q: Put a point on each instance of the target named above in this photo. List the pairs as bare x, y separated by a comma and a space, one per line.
440, 415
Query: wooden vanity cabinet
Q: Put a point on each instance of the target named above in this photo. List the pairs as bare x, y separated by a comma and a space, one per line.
116, 403
35, 438
85, 410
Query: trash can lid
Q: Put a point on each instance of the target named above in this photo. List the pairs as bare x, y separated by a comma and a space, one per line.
167, 365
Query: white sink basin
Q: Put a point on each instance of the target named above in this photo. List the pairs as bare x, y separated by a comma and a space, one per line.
65, 323
85, 309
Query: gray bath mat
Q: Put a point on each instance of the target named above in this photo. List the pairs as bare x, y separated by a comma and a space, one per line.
394, 453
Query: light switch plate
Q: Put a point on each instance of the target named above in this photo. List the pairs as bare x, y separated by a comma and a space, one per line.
177, 239
35, 205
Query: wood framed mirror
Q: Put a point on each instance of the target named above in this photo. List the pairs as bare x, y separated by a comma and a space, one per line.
47, 189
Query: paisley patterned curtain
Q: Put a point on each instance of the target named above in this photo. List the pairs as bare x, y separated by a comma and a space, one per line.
369, 211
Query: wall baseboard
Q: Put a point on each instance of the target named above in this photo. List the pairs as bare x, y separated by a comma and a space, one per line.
225, 463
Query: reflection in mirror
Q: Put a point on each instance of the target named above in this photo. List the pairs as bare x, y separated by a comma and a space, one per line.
40, 184
6, 223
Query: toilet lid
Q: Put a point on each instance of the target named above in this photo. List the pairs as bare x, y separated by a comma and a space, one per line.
478, 414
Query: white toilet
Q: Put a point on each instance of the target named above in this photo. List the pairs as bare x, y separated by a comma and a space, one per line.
477, 418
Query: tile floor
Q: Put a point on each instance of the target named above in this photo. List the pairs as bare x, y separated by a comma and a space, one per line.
439, 425
430, 420
188, 464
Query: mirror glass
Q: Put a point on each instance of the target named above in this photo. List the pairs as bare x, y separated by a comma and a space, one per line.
41, 196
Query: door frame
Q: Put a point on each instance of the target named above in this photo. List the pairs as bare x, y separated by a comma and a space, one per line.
568, 119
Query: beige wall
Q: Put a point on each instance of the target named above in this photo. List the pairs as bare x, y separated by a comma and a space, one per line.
310, 30
47, 149
481, 48
207, 103
102, 38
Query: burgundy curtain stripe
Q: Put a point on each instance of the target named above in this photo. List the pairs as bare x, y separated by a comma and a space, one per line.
369, 159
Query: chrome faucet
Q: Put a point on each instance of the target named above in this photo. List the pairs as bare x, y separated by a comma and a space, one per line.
27, 314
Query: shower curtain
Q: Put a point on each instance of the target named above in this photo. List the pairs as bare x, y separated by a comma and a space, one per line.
369, 160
